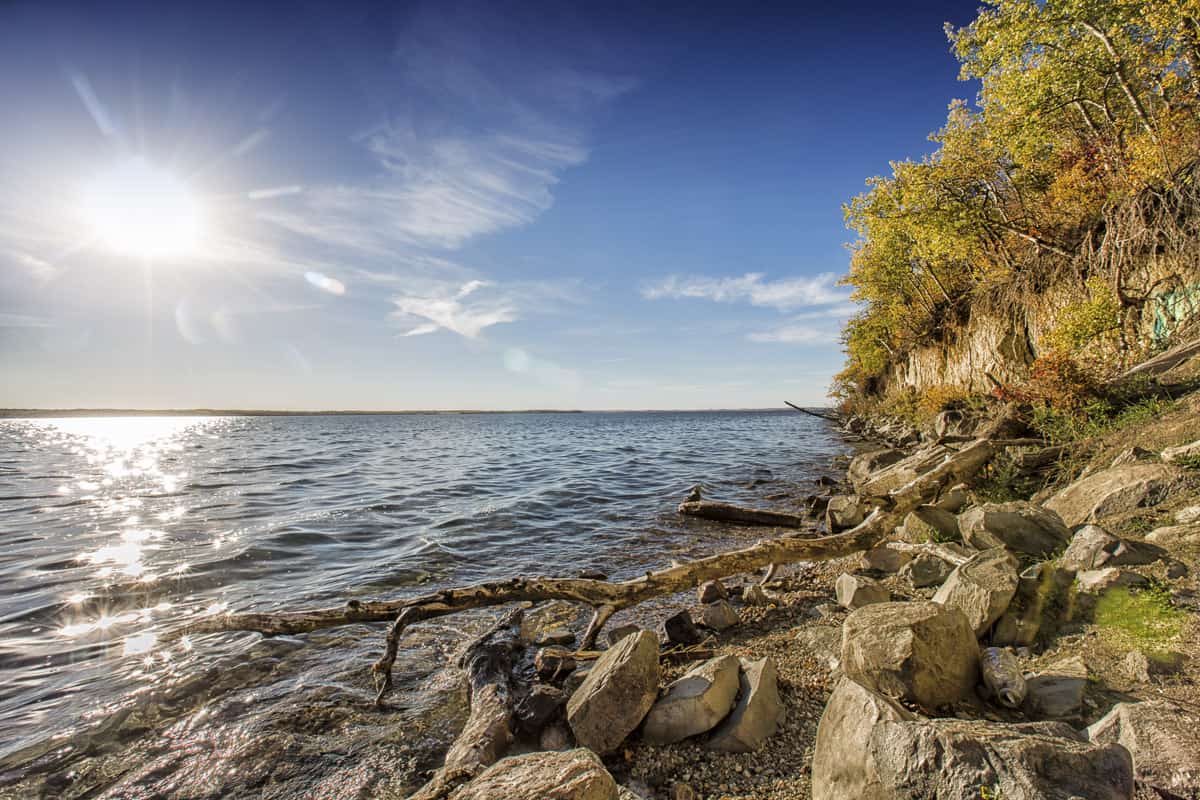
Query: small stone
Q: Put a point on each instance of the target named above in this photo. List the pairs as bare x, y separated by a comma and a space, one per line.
954, 499
930, 523
1174, 455
1132, 455
855, 591
680, 629
535, 709
1057, 692
844, 511
884, 559
682, 791
1176, 569
555, 636
719, 615
753, 595
1188, 514
712, 591
926, 569
554, 737
694, 703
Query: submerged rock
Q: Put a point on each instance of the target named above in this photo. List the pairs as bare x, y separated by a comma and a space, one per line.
981, 587
1112, 491
694, 703
855, 591
567, 775
758, 713
919, 652
1019, 526
618, 691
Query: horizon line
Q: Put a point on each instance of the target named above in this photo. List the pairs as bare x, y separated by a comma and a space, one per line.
18, 413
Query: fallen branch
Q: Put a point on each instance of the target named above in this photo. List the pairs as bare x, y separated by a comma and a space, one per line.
818, 414
488, 732
728, 512
608, 598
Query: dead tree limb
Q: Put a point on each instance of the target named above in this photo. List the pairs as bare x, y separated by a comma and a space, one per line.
818, 414
728, 512
489, 729
608, 598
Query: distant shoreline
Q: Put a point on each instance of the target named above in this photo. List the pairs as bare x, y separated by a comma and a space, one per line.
15, 413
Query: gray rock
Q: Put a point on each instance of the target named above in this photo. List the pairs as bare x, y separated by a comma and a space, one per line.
884, 559
1183, 452
1092, 547
844, 511
1020, 526
1112, 491
926, 569
753, 595
574, 680
1099, 581
679, 629
1037, 609
1057, 692
694, 703
919, 652
617, 693
954, 499
1143, 668
955, 758
554, 737
758, 713
535, 709
864, 464
719, 615
1174, 536
823, 642
712, 591
842, 768
855, 591
554, 662
1187, 514
620, 632
565, 775
1132, 455
930, 524
981, 588
1163, 739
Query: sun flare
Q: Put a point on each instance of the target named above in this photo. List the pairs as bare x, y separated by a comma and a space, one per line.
136, 208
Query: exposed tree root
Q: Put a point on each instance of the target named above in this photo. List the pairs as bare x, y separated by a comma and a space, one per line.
489, 729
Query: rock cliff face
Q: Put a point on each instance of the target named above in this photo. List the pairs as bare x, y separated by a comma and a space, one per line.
1003, 342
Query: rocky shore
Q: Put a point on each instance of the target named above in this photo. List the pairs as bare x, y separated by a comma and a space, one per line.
1032, 648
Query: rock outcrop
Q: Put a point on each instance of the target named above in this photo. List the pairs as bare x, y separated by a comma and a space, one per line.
616, 694
919, 652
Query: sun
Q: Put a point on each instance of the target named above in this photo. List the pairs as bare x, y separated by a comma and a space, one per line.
138, 209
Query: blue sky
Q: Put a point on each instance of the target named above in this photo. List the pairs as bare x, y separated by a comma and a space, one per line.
444, 205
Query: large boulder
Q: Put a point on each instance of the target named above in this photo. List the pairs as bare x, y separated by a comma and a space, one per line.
1038, 607
864, 464
919, 652
981, 587
616, 694
1163, 739
563, 775
1020, 526
758, 713
694, 703
955, 759
1092, 547
929, 523
845, 511
842, 765
855, 591
1112, 491
883, 481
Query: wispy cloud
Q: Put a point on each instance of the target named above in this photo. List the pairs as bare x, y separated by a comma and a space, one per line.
796, 334
8, 320
457, 313
752, 288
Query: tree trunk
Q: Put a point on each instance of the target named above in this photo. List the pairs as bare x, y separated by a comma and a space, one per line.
728, 512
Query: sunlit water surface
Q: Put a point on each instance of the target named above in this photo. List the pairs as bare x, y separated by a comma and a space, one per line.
118, 531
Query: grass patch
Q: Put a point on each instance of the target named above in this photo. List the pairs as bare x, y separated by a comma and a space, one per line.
1143, 620
1100, 417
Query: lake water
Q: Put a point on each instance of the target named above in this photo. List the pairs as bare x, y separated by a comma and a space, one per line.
118, 530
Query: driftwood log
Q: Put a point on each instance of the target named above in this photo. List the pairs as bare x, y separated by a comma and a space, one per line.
607, 598
728, 512
488, 662
818, 414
